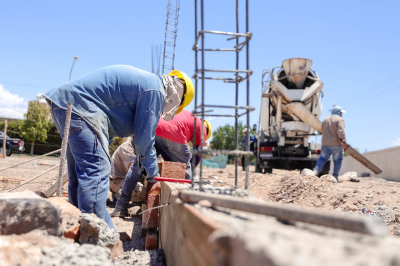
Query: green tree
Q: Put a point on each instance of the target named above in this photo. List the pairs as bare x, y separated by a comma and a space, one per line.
36, 124
224, 137
117, 141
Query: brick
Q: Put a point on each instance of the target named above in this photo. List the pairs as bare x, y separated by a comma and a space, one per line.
172, 170
155, 189
123, 236
22, 212
69, 213
151, 239
73, 233
152, 216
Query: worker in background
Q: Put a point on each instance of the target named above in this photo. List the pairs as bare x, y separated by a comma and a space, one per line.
172, 139
113, 101
252, 144
333, 141
121, 161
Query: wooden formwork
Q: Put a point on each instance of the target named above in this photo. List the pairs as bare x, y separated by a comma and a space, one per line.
184, 231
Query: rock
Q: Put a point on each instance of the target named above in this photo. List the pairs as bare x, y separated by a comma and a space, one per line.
22, 212
205, 203
330, 178
95, 231
39, 248
350, 174
68, 212
308, 172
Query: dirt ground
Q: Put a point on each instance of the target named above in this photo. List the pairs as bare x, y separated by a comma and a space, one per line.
14, 176
378, 197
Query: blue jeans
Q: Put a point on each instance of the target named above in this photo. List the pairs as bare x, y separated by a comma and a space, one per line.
88, 166
337, 155
175, 152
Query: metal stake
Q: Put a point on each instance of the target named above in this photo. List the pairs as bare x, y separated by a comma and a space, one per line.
64, 147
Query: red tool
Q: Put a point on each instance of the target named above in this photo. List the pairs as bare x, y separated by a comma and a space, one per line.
172, 180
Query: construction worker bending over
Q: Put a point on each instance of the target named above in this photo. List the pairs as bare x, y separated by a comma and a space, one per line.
178, 82
252, 143
333, 141
172, 139
113, 101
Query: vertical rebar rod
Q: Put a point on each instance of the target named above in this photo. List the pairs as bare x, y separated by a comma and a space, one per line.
64, 149
248, 96
195, 98
202, 93
237, 95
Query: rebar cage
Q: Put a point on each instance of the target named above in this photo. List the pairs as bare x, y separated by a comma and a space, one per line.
239, 76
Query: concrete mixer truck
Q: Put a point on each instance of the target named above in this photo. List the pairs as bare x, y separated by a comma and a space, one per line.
291, 106
283, 138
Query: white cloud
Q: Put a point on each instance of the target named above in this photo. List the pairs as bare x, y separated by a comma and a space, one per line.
11, 105
17, 113
396, 142
8, 99
41, 98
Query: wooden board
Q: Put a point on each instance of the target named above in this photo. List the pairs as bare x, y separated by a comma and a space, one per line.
184, 232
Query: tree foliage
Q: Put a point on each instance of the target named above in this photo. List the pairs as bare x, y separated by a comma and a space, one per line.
224, 137
36, 124
115, 144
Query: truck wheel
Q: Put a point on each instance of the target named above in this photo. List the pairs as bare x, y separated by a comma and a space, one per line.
267, 170
8, 152
258, 169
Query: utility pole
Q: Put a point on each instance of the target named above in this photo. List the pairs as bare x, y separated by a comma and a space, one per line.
5, 139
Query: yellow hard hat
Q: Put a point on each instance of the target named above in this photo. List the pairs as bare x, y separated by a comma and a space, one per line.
208, 126
189, 94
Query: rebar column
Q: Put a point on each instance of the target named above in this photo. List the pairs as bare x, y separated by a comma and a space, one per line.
246, 186
202, 94
194, 142
237, 94
64, 147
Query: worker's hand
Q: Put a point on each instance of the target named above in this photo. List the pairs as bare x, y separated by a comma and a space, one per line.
344, 146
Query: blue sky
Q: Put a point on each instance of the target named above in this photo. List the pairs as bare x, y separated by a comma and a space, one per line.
354, 46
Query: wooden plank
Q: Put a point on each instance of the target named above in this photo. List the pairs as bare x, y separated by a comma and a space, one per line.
144, 224
290, 213
184, 232
50, 191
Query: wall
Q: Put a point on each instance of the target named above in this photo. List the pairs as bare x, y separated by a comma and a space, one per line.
388, 160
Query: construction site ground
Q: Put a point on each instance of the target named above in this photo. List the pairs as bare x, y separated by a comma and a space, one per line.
380, 198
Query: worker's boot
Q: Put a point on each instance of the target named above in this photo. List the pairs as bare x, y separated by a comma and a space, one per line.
121, 212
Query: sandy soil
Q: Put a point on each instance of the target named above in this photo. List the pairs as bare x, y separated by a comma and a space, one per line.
376, 195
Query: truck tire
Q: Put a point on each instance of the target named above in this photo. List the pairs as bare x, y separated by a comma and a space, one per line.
267, 170
8, 152
258, 169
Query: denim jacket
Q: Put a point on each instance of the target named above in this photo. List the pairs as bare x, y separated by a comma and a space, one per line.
118, 101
